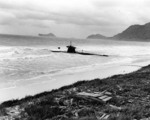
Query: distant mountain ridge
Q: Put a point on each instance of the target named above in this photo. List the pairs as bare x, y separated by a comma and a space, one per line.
47, 35
96, 36
135, 32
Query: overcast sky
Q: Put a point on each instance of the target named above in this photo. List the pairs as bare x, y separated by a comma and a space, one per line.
71, 18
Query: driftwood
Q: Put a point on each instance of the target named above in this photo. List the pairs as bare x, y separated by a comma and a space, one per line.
88, 98
101, 116
101, 97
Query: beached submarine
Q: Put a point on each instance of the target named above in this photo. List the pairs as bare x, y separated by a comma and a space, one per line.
72, 49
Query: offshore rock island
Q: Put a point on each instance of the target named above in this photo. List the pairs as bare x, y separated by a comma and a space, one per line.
47, 35
96, 36
115, 98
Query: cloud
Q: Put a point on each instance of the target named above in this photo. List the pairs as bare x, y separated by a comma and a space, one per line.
6, 17
84, 14
63, 18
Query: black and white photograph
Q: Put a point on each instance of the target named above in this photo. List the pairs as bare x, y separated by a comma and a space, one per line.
74, 59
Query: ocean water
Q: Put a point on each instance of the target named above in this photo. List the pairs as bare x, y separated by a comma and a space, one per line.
28, 61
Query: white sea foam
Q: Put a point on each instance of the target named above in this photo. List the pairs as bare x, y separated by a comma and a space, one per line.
29, 63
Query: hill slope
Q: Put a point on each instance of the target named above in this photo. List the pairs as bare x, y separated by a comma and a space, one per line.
135, 32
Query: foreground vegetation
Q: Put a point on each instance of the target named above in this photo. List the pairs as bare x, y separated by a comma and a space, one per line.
130, 99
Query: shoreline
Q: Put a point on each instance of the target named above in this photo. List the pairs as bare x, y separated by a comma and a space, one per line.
63, 79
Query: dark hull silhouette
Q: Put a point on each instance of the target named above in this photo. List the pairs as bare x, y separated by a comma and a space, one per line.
81, 53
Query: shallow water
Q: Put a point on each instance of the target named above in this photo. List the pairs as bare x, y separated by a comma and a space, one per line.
27, 62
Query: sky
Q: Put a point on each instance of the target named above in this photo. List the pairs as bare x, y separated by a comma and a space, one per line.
71, 18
